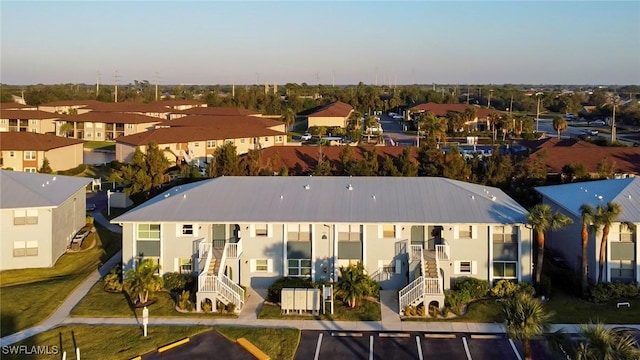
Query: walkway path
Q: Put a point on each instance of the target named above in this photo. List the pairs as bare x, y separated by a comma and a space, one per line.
390, 309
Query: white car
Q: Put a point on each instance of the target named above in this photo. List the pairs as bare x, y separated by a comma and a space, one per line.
599, 123
306, 137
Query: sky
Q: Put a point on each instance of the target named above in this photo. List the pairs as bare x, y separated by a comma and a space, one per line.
341, 42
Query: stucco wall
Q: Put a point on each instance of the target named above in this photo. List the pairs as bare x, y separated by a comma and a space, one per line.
64, 158
68, 218
40, 232
326, 121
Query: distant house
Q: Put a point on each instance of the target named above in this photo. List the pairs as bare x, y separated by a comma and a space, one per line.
481, 122
197, 144
106, 126
587, 109
39, 215
176, 104
68, 107
623, 249
213, 111
333, 114
558, 153
24, 120
25, 151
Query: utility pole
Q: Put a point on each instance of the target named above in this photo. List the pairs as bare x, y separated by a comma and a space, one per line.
233, 89
98, 83
538, 112
376, 76
511, 105
468, 91
116, 81
257, 78
489, 103
333, 79
156, 81
318, 78
613, 120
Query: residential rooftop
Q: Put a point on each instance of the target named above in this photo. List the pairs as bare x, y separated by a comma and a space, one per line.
19, 141
23, 190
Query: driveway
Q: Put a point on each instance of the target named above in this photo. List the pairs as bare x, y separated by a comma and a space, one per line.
392, 129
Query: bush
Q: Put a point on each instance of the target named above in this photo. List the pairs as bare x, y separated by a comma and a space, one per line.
606, 292
177, 282
420, 311
89, 220
476, 288
113, 280
410, 311
274, 291
231, 307
507, 288
456, 299
184, 302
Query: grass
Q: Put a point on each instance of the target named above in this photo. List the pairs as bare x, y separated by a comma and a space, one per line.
366, 311
278, 343
480, 311
105, 342
571, 310
99, 303
22, 304
100, 145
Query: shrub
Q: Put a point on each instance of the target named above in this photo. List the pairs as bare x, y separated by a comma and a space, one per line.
504, 288
274, 291
207, 307
410, 311
75, 171
445, 311
631, 291
113, 280
184, 302
455, 300
606, 292
420, 310
476, 288
220, 306
177, 282
231, 307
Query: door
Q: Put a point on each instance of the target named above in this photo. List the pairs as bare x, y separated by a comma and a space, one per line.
417, 235
435, 236
219, 235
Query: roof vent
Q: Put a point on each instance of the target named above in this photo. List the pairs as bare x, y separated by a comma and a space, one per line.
184, 196
281, 197
307, 187
166, 195
600, 197
373, 197
42, 185
629, 197
350, 187
473, 197
47, 183
54, 178
493, 198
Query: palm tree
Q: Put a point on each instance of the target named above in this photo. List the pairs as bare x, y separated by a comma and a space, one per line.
143, 280
352, 284
598, 342
66, 128
541, 218
434, 128
605, 216
525, 318
587, 216
559, 124
289, 119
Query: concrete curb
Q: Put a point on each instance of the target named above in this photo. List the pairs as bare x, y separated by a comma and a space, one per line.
247, 345
173, 345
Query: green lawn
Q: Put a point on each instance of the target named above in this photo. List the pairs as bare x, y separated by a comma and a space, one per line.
278, 343
367, 311
98, 303
22, 303
105, 342
571, 310
101, 145
481, 311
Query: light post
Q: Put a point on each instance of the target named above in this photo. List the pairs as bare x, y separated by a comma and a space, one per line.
489, 102
108, 202
613, 120
538, 112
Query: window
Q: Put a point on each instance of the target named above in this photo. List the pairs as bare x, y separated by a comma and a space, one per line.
626, 234
299, 267
25, 217
98, 135
505, 243
504, 234
464, 232
348, 232
505, 269
30, 170
187, 230
622, 270
266, 138
211, 144
196, 144
242, 141
129, 126
29, 155
388, 231
149, 231
279, 138
185, 265
465, 267
34, 122
12, 154
25, 248
298, 232
262, 230
262, 265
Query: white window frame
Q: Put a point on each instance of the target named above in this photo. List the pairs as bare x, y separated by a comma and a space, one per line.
626, 234
211, 144
494, 276
184, 265
261, 265
130, 126
29, 155
458, 267
299, 267
149, 232
279, 138
260, 231
472, 228
185, 230
25, 248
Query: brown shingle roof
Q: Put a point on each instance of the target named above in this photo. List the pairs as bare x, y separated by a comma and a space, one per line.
28, 114
443, 109
335, 109
72, 103
216, 111
209, 120
33, 141
304, 159
573, 151
177, 102
112, 118
186, 134
15, 106
129, 107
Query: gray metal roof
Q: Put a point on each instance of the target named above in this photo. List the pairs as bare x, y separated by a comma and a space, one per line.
23, 190
328, 199
624, 192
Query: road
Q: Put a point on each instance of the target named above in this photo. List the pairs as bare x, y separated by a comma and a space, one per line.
392, 129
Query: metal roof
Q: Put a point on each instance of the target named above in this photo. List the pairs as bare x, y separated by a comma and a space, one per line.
624, 192
23, 190
330, 199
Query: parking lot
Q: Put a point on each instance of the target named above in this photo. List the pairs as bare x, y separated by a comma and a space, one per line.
410, 345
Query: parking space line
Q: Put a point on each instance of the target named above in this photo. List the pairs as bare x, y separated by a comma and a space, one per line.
371, 347
318, 347
486, 337
466, 347
439, 336
515, 351
420, 356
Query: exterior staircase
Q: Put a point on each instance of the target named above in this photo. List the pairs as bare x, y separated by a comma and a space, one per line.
214, 264
429, 285
213, 284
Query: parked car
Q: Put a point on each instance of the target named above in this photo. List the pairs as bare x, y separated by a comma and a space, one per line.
91, 207
593, 132
599, 123
306, 137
